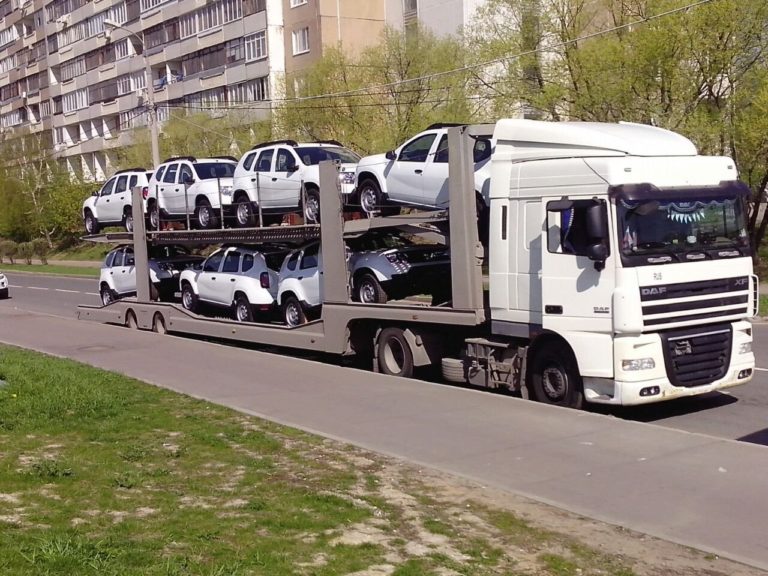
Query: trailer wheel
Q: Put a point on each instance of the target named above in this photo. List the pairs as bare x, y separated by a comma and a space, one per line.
158, 324
293, 313
394, 354
555, 376
130, 320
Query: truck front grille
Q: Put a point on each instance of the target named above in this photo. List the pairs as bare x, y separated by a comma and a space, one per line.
697, 357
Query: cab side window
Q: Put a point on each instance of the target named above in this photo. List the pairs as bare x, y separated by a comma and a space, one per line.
567, 230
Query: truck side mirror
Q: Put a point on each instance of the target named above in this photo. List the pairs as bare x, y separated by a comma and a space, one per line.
597, 224
390, 155
598, 253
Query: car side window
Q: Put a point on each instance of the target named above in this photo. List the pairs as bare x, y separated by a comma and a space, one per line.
121, 185
441, 154
264, 163
170, 174
213, 262
118, 261
106, 190
417, 150
134, 181
293, 260
159, 173
110, 259
285, 161
248, 162
185, 174
309, 258
129, 260
231, 262
247, 262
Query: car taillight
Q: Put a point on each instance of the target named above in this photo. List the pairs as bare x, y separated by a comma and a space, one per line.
264, 279
145, 192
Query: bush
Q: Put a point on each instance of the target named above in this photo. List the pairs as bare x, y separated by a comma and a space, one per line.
40, 249
8, 249
26, 251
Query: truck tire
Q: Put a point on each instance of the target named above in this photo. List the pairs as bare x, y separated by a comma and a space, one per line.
91, 223
554, 376
243, 311
293, 312
158, 324
188, 298
369, 291
130, 320
394, 353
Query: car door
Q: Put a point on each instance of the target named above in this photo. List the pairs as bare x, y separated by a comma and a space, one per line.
104, 201
186, 196
404, 181
120, 267
167, 190
208, 280
261, 178
286, 180
120, 197
228, 277
434, 178
309, 274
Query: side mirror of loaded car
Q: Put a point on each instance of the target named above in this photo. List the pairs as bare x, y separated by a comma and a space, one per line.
188, 180
390, 155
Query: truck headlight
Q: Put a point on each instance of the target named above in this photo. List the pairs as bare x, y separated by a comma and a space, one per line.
226, 190
639, 364
745, 347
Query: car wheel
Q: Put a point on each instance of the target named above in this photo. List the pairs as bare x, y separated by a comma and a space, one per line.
370, 196
394, 354
154, 217
554, 376
243, 309
244, 215
188, 298
369, 291
293, 312
128, 219
107, 295
206, 216
312, 206
91, 223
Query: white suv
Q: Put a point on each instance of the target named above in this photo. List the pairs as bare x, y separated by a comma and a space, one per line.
3, 286
272, 173
236, 278
111, 205
188, 185
416, 174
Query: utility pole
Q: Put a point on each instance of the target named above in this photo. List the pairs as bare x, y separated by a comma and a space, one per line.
149, 86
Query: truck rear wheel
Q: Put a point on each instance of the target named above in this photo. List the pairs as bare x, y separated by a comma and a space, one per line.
555, 378
394, 353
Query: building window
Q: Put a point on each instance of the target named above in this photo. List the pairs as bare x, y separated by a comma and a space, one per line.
295, 3
76, 100
123, 85
210, 16
149, 4
122, 49
253, 6
252, 91
188, 25
256, 46
300, 41
232, 10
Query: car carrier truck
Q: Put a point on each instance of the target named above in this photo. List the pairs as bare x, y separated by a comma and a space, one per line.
618, 272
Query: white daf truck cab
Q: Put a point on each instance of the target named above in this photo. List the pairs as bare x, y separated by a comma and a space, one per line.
620, 257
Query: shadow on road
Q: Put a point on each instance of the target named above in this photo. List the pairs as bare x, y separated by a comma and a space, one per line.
669, 409
759, 437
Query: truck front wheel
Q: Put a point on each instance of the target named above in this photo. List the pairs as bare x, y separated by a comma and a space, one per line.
394, 353
554, 376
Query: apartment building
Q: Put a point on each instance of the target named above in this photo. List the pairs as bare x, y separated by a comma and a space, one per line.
442, 17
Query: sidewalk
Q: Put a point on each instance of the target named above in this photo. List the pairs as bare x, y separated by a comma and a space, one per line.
696, 490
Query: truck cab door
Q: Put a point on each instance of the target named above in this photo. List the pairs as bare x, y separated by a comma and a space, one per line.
577, 272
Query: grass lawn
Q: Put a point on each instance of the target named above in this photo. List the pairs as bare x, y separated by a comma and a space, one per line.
51, 269
82, 251
763, 306
104, 475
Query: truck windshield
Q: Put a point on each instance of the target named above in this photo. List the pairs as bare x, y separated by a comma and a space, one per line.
658, 231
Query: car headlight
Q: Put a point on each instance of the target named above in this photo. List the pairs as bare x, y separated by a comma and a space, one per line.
638, 364
347, 177
226, 190
744, 347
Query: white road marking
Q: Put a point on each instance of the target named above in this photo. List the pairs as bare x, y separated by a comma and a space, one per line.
92, 293
761, 369
35, 288
68, 291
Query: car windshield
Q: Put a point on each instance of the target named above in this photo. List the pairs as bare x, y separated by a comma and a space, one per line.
380, 241
676, 230
312, 155
212, 170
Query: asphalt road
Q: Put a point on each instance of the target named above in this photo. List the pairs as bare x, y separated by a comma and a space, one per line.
739, 414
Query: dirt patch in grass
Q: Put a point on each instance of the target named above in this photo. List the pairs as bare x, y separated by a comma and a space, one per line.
105, 475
